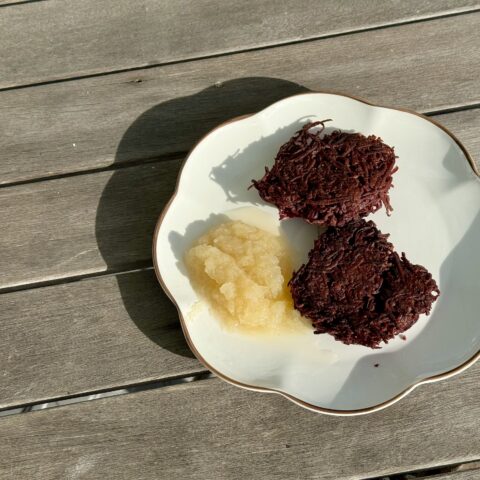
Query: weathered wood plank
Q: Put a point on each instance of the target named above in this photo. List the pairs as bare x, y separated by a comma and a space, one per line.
88, 335
96, 222
209, 429
83, 224
94, 38
93, 123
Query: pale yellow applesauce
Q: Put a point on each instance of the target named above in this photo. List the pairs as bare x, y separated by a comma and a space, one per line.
242, 273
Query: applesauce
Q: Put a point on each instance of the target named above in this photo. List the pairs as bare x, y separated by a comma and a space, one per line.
242, 272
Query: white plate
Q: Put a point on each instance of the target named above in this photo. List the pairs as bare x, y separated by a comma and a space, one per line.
436, 221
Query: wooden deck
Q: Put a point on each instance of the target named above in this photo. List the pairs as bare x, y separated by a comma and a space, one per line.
99, 103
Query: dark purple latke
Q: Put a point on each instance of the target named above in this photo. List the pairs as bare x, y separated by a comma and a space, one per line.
329, 180
356, 288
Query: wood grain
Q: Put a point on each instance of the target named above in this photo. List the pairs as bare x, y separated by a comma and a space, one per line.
104, 222
129, 117
88, 335
209, 429
80, 225
102, 37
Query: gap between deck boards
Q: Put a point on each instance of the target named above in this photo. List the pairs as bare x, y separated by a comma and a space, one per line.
201, 374
113, 167
20, 2
448, 471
